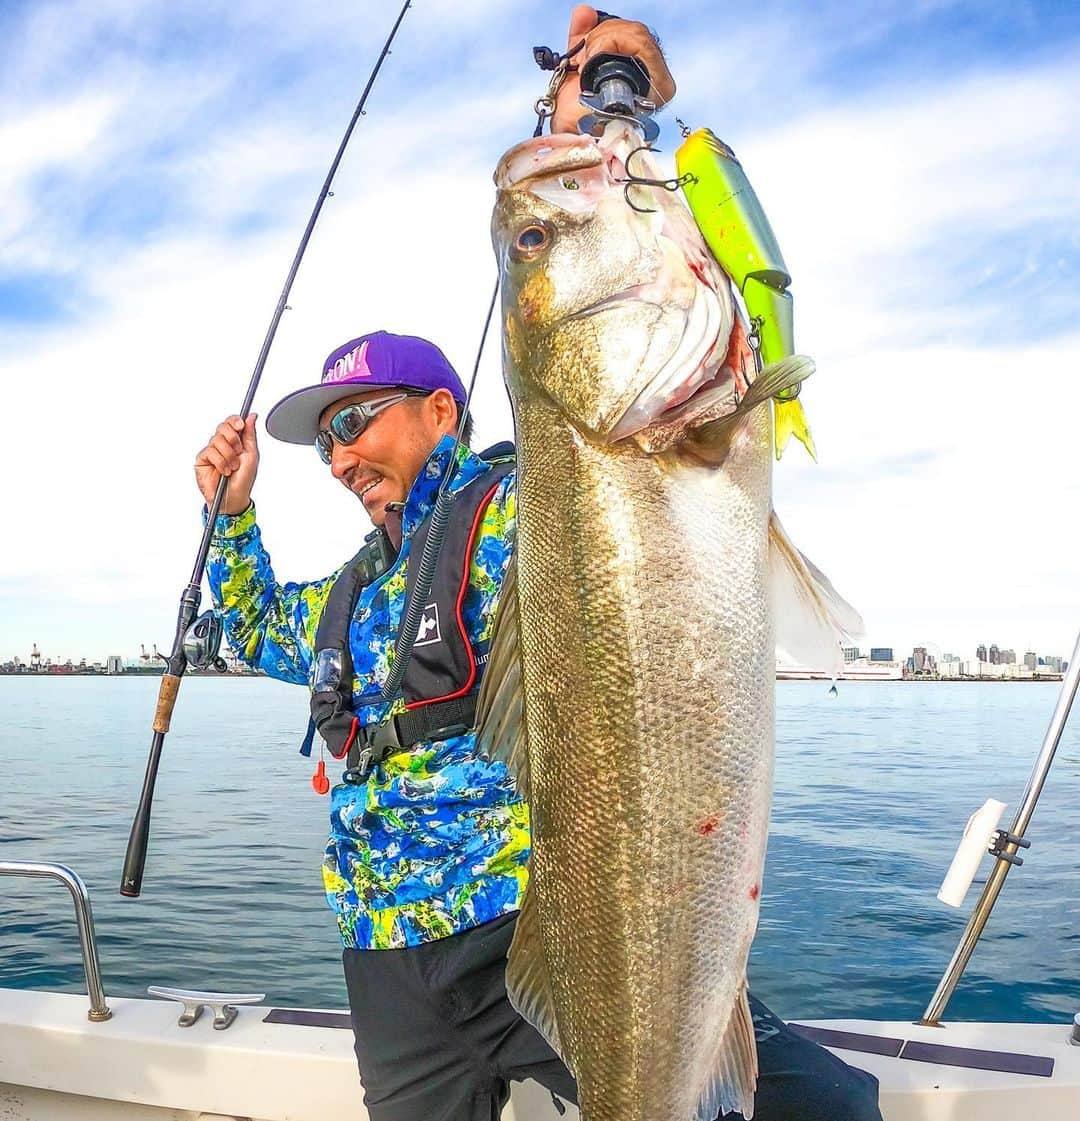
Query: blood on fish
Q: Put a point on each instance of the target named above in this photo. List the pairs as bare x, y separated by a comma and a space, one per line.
709, 826
698, 269
738, 353
755, 891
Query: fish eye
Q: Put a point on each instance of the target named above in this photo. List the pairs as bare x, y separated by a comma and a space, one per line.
530, 241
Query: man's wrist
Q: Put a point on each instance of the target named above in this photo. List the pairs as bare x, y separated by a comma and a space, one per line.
230, 526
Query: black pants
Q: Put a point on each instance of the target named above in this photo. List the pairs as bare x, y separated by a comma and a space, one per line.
437, 1040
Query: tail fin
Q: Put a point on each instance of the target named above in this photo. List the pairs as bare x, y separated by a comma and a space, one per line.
790, 420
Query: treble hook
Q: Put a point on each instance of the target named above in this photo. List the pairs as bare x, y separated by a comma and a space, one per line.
633, 180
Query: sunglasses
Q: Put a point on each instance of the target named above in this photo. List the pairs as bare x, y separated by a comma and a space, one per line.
348, 424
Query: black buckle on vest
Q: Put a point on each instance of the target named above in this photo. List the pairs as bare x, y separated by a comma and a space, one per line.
373, 743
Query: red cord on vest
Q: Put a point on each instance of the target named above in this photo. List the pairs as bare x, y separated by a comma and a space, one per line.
349, 742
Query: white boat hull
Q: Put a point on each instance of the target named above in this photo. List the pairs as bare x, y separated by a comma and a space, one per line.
141, 1066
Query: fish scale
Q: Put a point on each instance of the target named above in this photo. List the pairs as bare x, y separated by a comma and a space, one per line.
673, 732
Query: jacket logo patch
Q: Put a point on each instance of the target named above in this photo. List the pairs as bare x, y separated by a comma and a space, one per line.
429, 632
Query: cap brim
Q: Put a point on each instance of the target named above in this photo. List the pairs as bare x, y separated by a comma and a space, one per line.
295, 419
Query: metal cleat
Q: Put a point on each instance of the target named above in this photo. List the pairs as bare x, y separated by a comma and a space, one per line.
221, 1004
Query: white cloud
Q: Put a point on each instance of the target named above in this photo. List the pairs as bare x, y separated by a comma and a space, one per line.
938, 504
47, 138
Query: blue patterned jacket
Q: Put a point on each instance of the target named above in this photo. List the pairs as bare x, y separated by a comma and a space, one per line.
437, 840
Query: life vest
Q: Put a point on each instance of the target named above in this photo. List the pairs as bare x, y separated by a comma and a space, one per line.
443, 675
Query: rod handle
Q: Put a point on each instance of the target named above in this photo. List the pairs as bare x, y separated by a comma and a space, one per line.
135, 858
170, 687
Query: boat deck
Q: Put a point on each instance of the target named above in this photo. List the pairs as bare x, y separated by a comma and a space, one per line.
141, 1066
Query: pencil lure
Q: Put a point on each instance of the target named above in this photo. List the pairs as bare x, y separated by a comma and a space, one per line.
735, 228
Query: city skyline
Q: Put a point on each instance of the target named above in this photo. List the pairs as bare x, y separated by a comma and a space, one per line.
148, 654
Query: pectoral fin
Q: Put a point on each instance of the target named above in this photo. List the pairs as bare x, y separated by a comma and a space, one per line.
812, 618
710, 442
500, 721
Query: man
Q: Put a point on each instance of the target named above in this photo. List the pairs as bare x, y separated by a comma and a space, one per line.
427, 857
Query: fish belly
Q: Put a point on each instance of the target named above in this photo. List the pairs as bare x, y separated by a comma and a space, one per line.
648, 668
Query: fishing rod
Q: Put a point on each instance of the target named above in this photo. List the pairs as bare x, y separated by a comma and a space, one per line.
1002, 844
198, 637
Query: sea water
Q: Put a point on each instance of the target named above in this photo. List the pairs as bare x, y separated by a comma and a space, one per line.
873, 787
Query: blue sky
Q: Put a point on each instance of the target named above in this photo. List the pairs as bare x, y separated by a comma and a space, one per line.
919, 162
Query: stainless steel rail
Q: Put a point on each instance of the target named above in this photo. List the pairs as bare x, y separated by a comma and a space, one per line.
84, 916
996, 880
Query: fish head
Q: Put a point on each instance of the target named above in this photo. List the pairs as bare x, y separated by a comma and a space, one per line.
617, 313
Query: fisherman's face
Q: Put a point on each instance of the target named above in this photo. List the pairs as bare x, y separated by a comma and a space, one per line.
382, 463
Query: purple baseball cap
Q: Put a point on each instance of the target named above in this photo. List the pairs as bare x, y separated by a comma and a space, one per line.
371, 361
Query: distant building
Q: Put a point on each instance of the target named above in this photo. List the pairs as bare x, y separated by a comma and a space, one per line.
851, 654
114, 664
1031, 659
980, 654
1053, 663
949, 659
881, 654
995, 655
918, 659
1007, 657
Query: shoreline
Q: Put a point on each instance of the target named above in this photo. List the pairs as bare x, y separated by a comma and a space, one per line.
51, 674
250, 674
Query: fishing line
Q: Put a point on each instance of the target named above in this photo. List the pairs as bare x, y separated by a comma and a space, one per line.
189, 645
440, 517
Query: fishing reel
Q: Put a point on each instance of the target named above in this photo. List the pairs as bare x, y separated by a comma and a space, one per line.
202, 642
616, 87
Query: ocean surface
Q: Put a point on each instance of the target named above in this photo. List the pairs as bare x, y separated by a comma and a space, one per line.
873, 788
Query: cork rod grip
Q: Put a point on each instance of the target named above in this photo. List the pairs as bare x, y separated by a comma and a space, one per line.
170, 686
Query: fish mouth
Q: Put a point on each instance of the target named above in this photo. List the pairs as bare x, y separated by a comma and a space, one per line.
546, 156
636, 294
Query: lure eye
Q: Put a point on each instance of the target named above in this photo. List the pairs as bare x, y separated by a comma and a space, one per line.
530, 242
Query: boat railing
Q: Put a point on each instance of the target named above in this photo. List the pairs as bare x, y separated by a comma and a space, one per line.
84, 917
1006, 845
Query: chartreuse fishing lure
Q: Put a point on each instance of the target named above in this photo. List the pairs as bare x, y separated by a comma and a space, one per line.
736, 230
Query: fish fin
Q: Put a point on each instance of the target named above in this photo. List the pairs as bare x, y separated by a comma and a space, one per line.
790, 420
733, 1078
500, 714
528, 981
711, 441
812, 618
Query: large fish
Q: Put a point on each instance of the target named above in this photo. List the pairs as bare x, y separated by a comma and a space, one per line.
630, 686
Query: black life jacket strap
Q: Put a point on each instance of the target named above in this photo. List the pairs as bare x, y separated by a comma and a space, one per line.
372, 743
332, 668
